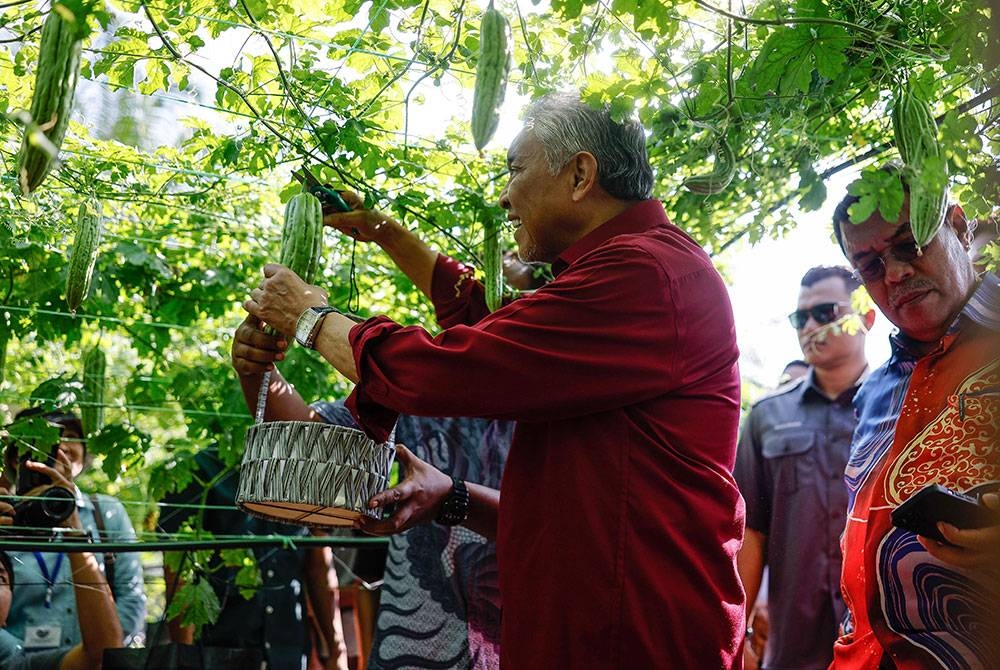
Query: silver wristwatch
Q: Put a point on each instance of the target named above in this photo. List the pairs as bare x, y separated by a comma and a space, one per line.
308, 325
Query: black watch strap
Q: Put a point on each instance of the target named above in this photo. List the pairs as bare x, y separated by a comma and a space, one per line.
455, 508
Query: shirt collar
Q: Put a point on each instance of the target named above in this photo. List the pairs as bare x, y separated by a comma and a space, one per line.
82, 501
984, 305
982, 308
808, 387
638, 218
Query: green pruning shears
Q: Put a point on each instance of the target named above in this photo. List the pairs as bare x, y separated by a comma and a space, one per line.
328, 197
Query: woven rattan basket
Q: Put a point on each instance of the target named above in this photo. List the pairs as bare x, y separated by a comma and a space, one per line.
311, 473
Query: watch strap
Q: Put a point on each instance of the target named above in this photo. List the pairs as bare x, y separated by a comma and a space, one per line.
455, 508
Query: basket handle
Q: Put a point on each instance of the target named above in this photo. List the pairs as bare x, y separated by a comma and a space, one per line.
265, 382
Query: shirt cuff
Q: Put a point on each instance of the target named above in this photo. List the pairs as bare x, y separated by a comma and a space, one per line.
365, 401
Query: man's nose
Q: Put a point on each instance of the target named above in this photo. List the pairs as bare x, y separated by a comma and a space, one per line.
810, 324
895, 269
504, 198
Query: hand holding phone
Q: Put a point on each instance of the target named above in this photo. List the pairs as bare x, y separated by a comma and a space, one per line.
933, 503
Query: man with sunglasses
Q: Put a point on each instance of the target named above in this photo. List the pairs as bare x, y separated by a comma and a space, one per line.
790, 464
929, 415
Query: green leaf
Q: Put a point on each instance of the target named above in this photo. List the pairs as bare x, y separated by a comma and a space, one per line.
813, 191
876, 190
829, 48
31, 435
791, 54
196, 604
247, 577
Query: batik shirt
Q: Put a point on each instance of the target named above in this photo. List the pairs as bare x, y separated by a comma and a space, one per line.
921, 420
440, 602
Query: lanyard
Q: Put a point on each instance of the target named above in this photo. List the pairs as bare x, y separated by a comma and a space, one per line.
50, 579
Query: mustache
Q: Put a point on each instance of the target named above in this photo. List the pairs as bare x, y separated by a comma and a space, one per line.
912, 286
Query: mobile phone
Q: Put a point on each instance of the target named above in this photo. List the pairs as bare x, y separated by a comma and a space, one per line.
934, 503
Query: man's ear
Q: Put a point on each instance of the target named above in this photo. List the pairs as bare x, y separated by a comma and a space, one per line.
584, 174
868, 318
960, 223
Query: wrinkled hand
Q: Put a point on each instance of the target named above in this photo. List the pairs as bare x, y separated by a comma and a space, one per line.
364, 225
974, 547
254, 351
418, 497
281, 299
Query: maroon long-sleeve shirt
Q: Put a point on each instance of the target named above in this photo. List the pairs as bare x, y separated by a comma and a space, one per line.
619, 518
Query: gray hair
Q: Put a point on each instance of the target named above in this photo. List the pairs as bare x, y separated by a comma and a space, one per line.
564, 126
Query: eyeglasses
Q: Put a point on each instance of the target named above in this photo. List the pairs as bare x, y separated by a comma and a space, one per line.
823, 313
873, 271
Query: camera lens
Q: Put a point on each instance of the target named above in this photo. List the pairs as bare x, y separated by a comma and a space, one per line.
56, 504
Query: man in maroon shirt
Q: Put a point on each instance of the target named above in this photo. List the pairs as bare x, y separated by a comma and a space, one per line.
619, 519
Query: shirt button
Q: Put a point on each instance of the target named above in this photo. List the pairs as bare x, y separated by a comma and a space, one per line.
269, 609
270, 573
267, 645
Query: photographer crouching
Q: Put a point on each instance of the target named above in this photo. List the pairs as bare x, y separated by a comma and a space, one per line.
66, 607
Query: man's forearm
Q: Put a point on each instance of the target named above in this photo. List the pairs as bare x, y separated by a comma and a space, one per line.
322, 595
750, 563
178, 631
100, 627
333, 344
283, 401
409, 253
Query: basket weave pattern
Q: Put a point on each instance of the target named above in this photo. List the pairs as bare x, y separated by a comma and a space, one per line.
311, 473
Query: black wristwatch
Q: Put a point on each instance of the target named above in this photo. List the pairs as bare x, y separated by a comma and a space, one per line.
455, 508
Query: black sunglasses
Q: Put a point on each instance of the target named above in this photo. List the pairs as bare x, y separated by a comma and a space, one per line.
823, 313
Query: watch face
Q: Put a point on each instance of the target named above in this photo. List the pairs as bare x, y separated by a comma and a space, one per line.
304, 326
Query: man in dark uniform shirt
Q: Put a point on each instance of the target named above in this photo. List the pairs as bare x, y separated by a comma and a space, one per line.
790, 464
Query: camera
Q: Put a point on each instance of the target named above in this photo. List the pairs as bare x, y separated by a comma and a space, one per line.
37, 502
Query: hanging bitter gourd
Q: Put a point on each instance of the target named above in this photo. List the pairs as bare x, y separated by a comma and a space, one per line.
302, 235
913, 126
92, 395
301, 238
721, 175
55, 83
491, 75
83, 257
925, 171
492, 264
928, 207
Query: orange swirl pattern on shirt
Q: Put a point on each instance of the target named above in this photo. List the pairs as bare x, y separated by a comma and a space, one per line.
958, 448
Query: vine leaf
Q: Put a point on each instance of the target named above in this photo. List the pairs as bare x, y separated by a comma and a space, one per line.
196, 603
791, 55
877, 190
